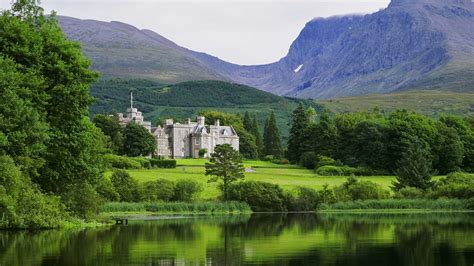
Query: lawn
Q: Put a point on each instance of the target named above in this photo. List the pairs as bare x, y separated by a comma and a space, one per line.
287, 176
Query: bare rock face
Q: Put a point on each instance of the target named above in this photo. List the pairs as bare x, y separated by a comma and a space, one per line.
412, 44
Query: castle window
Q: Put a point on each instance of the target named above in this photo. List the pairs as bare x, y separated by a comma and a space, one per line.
197, 141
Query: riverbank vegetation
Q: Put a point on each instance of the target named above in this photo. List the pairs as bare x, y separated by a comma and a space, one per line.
57, 167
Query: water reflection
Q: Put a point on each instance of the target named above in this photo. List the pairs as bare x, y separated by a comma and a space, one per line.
282, 239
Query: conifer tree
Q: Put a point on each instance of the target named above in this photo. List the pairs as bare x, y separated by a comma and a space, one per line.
258, 137
299, 124
414, 169
248, 122
272, 141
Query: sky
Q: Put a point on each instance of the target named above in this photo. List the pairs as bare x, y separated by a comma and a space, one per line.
239, 31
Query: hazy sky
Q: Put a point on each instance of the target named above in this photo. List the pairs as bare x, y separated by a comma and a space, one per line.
239, 31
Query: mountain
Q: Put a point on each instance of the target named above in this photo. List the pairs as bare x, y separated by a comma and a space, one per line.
121, 50
412, 44
185, 100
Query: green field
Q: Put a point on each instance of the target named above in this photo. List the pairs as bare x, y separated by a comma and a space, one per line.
286, 176
430, 103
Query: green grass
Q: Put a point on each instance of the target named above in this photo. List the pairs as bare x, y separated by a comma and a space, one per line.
175, 207
430, 103
402, 205
288, 177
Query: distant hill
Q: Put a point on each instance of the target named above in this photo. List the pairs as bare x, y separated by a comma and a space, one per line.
185, 100
412, 44
121, 50
430, 103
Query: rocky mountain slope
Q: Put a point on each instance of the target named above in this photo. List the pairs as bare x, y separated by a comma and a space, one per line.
412, 44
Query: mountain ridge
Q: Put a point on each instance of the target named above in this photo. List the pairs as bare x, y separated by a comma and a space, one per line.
422, 44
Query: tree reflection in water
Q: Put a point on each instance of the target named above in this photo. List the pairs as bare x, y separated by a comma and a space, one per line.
264, 239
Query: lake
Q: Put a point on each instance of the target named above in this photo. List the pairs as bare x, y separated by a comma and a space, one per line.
258, 239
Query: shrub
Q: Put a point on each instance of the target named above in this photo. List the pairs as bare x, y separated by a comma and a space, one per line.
23, 205
354, 189
305, 199
308, 160
326, 195
82, 200
186, 190
455, 185
324, 160
125, 185
268, 158
121, 162
144, 162
159, 163
177, 207
158, 190
331, 170
107, 191
261, 196
399, 204
202, 153
409, 193
281, 161
367, 171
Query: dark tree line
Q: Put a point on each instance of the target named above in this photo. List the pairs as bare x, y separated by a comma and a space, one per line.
379, 141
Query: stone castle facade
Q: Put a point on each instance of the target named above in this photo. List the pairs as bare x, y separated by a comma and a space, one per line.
175, 140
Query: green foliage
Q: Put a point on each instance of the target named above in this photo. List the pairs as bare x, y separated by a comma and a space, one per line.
138, 141
326, 195
448, 150
323, 135
299, 124
110, 126
305, 199
331, 170
409, 193
107, 191
126, 186
455, 185
225, 165
324, 160
82, 200
158, 190
189, 99
354, 189
177, 207
398, 204
414, 169
308, 160
247, 142
258, 136
261, 196
22, 205
186, 190
271, 138
160, 163
202, 153
121, 162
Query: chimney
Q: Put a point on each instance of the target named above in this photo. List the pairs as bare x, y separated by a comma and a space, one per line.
201, 120
218, 122
189, 121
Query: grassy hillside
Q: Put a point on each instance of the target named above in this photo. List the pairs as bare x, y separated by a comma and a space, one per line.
288, 177
185, 100
430, 103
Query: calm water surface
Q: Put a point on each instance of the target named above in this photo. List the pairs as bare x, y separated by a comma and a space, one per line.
291, 239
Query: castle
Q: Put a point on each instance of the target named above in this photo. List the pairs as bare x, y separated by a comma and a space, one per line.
175, 140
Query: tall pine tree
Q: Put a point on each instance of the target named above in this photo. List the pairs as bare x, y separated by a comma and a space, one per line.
258, 137
299, 124
272, 141
247, 122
